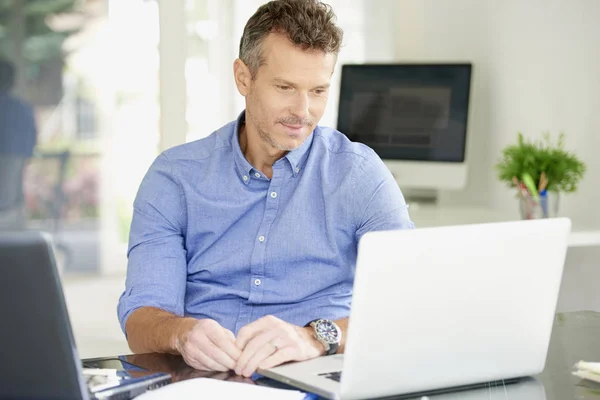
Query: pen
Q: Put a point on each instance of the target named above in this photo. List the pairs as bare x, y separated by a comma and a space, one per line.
522, 190
543, 182
544, 203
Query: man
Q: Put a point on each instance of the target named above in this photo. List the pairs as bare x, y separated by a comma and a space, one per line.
17, 141
239, 240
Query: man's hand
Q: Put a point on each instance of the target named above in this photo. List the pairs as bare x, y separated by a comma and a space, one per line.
208, 346
270, 341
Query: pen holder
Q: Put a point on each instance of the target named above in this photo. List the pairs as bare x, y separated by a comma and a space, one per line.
545, 206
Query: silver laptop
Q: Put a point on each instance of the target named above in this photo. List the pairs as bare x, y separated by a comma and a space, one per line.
444, 308
39, 356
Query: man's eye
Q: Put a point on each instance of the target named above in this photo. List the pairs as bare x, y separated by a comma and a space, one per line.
283, 87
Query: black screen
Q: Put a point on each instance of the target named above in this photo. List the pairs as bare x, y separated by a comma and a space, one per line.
407, 111
39, 360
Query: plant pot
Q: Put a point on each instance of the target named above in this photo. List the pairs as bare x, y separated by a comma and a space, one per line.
544, 207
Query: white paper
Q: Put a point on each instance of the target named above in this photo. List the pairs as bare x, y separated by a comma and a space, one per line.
590, 376
592, 367
587, 370
206, 388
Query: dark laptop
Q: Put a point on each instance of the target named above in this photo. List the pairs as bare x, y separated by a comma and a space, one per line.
39, 359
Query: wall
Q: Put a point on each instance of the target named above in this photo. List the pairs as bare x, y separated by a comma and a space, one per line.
535, 69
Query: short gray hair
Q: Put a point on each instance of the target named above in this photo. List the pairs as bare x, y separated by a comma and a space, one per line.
309, 24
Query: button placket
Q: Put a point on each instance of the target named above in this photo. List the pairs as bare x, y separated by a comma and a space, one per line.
259, 262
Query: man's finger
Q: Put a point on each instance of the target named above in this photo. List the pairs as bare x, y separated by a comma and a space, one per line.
219, 355
264, 352
229, 335
277, 358
221, 339
251, 330
208, 362
254, 345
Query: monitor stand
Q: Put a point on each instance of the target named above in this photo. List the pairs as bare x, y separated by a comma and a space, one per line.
417, 196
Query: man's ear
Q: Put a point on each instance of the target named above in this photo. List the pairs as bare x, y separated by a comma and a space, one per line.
242, 76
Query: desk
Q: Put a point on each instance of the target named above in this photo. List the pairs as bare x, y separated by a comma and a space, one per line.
430, 216
575, 336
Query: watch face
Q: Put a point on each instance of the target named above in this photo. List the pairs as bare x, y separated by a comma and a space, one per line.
327, 331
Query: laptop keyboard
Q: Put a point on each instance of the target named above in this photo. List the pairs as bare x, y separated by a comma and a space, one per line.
335, 376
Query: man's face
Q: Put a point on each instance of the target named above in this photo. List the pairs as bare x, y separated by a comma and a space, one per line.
287, 97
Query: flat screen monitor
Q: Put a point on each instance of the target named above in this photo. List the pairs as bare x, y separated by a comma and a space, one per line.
413, 115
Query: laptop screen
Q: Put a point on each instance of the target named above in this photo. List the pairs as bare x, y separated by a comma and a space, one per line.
39, 359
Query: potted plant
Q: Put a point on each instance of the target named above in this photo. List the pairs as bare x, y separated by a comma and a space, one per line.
540, 170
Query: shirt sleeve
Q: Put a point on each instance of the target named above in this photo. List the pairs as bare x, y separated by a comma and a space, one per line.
157, 265
380, 203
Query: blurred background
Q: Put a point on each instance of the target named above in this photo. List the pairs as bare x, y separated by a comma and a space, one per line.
103, 86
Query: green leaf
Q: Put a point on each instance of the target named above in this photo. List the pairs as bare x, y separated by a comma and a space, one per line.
563, 169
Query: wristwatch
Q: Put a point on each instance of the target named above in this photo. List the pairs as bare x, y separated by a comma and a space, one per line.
328, 333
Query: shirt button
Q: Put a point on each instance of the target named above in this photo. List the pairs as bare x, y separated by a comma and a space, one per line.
261, 238
245, 178
297, 170
257, 175
273, 194
257, 282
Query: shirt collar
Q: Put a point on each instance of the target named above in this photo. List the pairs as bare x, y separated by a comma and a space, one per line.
296, 157
244, 168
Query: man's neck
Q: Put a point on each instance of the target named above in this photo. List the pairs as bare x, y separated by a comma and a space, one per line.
258, 153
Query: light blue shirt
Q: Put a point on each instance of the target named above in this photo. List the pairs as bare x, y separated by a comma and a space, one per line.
213, 237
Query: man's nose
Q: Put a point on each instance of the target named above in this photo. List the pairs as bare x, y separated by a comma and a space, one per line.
301, 105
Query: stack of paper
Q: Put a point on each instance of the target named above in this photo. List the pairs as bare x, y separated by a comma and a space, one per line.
588, 370
204, 388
